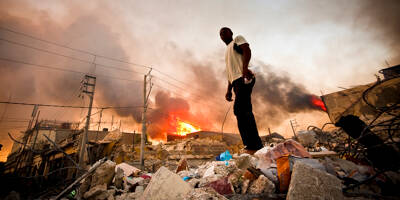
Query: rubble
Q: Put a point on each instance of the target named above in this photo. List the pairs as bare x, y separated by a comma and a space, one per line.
222, 186
310, 183
261, 185
103, 174
165, 184
204, 193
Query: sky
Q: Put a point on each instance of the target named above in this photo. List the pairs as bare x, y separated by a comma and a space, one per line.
299, 48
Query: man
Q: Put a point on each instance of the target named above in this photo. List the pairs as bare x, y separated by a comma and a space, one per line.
242, 80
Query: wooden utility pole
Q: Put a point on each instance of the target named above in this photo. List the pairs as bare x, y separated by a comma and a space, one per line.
143, 137
89, 85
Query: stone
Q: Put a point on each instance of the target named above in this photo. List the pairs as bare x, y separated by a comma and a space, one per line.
236, 179
165, 184
307, 138
205, 193
98, 192
85, 185
119, 178
182, 165
222, 186
103, 174
244, 161
248, 175
209, 172
310, 183
261, 185
139, 190
194, 182
128, 170
245, 186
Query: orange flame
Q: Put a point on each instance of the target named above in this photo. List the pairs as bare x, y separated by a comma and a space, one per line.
183, 128
318, 103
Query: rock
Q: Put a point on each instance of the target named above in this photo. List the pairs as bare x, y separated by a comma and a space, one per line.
103, 174
205, 181
182, 165
205, 193
194, 182
307, 138
236, 180
128, 170
209, 172
261, 185
139, 190
309, 183
222, 186
119, 178
271, 174
165, 184
245, 186
84, 187
13, 195
98, 192
248, 175
244, 161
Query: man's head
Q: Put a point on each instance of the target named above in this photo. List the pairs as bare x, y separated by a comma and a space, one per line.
226, 35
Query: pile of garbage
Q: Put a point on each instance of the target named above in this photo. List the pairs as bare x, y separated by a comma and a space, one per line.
286, 170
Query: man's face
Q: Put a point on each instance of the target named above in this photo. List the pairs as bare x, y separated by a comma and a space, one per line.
226, 35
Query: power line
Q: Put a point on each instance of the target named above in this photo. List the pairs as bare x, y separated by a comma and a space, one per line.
82, 51
71, 48
68, 106
69, 57
61, 69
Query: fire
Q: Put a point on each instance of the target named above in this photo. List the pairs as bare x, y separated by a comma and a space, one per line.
318, 103
183, 128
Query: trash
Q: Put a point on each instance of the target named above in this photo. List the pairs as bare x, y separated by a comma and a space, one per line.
222, 186
225, 156
261, 185
266, 160
186, 178
166, 185
283, 169
127, 169
145, 176
182, 165
309, 183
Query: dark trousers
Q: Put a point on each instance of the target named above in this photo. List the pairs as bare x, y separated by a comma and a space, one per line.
242, 108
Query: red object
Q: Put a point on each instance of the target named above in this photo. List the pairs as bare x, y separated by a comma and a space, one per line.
222, 186
145, 176
318, 103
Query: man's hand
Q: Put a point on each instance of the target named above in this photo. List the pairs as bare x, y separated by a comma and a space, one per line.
248, 74
228, 96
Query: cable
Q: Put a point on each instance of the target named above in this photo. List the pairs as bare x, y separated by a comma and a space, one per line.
68, 106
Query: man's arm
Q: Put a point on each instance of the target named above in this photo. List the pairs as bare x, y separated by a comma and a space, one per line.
246, 59
228, 95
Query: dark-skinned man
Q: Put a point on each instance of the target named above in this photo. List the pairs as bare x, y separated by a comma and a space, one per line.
241, 80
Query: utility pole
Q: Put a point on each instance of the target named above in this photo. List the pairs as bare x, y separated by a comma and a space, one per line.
293, 124
145, 98
98, 127
89, 84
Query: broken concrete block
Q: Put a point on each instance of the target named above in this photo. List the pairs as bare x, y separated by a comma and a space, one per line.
222, 186
103, 174
127, 169
236, 179
165, 184
307, 138
245, 161
245, 186
205, 193
182, 165
309, 183
119, 178
209, 172
261, 185
194, 182
98, 192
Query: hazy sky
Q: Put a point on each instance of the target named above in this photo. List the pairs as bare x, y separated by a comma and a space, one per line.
318, 45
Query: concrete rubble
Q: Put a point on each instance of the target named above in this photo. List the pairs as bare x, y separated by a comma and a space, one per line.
283, 171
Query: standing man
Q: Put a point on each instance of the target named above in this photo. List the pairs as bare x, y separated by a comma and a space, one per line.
242, 80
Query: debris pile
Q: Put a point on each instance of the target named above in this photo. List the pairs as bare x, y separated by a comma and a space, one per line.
287, 170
